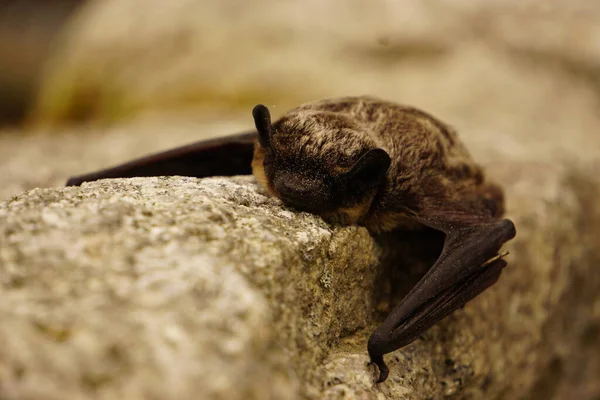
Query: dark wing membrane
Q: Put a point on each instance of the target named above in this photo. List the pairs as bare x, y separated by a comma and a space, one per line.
224, 156
466, 267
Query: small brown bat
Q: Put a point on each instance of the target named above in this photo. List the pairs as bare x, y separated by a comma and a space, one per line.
365, 161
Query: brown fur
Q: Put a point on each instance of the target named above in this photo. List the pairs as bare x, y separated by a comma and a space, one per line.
350, 215
429, 163
259, 171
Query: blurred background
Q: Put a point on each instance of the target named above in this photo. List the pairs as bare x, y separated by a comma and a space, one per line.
27, 28
87, 83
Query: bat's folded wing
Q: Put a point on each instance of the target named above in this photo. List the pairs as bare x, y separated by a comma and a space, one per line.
224, 156
466, 267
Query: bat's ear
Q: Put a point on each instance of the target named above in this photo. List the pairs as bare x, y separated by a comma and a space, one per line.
370, 169
262, 120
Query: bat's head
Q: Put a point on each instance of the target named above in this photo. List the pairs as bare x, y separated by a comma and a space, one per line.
320, 162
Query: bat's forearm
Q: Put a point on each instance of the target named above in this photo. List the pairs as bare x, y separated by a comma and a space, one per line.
227, 156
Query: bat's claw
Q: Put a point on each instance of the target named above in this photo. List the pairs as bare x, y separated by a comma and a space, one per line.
497, 257
384, 371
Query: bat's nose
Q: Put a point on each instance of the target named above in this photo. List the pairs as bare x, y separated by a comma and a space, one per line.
301, 192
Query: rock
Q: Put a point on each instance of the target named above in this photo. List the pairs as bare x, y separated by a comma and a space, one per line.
534, 334
529, 337
178, 287
173, 288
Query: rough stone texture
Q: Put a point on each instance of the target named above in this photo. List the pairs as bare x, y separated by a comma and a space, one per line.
173, 288
180, 288
530, 336
534, 335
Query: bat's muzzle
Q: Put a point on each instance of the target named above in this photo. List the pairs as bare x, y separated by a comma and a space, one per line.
302, 192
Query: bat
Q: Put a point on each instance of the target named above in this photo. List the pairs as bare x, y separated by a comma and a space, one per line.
366, 161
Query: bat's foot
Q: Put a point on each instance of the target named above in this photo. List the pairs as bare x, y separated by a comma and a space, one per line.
383, 369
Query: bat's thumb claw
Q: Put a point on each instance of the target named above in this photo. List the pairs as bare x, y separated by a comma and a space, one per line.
383, 369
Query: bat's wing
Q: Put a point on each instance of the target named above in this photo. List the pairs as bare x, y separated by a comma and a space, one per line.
225, 156
469, 264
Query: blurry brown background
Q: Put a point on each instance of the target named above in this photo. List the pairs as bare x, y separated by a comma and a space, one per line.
27, 29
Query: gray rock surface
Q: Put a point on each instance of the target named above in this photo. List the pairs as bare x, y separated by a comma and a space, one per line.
184, 288
534, 335
173, 288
